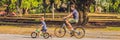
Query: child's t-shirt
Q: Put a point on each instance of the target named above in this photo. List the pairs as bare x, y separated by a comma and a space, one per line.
44, 25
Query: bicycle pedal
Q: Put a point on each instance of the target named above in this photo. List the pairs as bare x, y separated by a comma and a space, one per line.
72, 35
50, 36
41, 34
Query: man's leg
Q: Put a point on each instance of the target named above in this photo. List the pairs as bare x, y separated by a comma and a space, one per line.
70, 28
69, 25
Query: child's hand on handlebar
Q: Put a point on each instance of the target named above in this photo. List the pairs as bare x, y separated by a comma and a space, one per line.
64, 17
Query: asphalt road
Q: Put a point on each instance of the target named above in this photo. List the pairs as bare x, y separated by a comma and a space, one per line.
27, 37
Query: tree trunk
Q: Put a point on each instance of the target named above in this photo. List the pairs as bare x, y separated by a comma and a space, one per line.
8, 9
19, 11
18, 7
26, 11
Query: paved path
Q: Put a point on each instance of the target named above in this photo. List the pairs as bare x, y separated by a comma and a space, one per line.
26, 37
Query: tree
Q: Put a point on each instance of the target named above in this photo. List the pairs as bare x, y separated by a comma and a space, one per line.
83, 6
12, 6
3, 2
29, 4
109, 5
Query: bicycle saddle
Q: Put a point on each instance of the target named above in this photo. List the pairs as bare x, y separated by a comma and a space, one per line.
74, 24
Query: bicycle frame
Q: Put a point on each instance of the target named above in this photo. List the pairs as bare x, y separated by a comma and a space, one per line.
65, 27
38, 28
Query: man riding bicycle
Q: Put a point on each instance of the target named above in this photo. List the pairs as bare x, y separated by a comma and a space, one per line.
74, 19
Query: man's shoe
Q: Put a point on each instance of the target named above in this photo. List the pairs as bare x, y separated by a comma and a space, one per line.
72, 33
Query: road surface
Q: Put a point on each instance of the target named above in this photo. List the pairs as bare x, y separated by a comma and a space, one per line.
27, 37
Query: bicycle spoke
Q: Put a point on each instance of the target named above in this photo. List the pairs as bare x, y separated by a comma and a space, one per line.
79, 32
59, 32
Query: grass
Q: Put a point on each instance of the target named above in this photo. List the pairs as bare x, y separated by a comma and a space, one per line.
15, 30
114, 28
6, 29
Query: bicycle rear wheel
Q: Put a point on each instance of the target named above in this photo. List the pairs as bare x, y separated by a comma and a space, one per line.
59, 32
79, 32
46, 35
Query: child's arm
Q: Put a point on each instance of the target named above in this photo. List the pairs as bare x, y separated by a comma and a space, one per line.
40, 26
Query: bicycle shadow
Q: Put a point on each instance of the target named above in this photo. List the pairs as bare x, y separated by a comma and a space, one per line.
29, 37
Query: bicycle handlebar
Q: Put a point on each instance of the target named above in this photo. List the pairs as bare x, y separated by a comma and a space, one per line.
64, 19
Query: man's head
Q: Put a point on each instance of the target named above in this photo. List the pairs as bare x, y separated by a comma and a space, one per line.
72, 7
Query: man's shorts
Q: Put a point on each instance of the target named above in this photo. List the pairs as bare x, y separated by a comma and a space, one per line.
71, 20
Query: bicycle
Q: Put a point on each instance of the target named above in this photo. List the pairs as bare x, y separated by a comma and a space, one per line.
36, 33
79, 32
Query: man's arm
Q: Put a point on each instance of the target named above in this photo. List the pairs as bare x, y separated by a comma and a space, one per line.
69, 15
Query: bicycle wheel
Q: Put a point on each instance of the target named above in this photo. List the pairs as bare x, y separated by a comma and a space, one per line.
59, 32
34, 34
79, 32
46, 35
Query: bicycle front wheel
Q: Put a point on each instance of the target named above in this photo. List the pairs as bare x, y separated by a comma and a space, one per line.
79, 32
59, 32
34, 34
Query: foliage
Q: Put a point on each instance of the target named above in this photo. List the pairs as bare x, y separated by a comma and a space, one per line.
92, 8
38, 5
110, 5
2, 2
29, 4
12, 6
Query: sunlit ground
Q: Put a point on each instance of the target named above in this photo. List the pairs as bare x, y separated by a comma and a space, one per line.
109, 33
8, 29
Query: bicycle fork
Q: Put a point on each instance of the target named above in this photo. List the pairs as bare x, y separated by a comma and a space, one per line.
62, 27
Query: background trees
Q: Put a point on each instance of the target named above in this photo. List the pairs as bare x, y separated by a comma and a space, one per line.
108, 5
38, 6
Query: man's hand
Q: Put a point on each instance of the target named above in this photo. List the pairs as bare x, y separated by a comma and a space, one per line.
64, 17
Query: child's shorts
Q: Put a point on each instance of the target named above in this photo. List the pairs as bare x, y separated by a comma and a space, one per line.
43, 30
